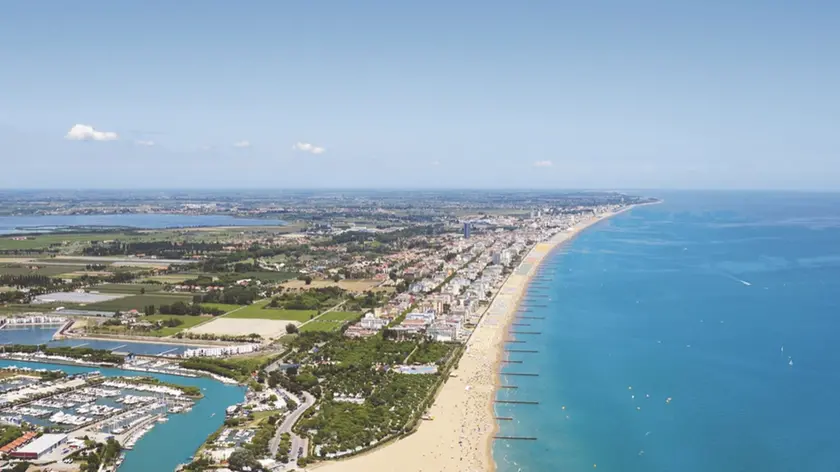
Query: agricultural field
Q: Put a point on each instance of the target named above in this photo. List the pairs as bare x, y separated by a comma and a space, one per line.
258, 311
170, 278
133, 289
138, 302
45, 241
331, 321
48, 270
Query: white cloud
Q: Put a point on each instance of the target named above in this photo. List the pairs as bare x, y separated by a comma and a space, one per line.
543, 164
140, 142
435, 163
307, 147
242, 144
88, 133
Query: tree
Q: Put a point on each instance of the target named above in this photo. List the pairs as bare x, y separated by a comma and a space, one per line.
142, 290
291, 328
307, 280
242, 459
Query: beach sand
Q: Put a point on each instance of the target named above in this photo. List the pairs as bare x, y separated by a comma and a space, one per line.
460, 437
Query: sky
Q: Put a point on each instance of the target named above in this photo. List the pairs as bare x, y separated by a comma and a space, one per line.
424, 94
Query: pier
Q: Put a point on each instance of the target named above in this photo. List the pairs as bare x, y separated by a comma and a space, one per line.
530, 317
166, 352
525, 332
516, 402
503, 418
514, 341
510, 362
508, 386
520, 324
529, 305
520, 374
529, 351
516, 438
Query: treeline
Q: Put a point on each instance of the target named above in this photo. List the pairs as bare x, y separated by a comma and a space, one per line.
222, 262
163, 249
232, 295
83, 353
242, 338
29, 280
182, 308
313, 299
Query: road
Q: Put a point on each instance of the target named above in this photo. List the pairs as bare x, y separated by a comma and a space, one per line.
286, 427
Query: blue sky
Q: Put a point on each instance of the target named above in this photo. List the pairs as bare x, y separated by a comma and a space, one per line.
596, 94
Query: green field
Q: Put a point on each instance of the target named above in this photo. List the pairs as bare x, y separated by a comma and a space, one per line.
222, 306
268, 276
48, 270
127, 288
189, 322
170, 278
137, 302
331, 321
257, 311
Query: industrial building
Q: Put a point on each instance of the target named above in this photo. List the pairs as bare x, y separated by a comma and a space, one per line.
41, 446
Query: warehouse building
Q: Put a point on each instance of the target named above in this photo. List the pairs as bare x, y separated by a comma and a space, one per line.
41, 446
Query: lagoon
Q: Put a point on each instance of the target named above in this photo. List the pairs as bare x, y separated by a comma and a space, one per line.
54, 223
174, 442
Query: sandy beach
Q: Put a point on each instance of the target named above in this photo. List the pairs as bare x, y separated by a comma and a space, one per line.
460, 436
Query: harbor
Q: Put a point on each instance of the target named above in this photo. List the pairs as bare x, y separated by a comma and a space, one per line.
158, 427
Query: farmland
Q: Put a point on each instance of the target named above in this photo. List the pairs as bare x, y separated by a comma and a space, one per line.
48, 270
134, 289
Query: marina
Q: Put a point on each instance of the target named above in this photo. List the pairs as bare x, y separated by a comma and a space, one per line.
158, 427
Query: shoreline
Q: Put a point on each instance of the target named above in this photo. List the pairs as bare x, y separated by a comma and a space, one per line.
542, 253
460, 437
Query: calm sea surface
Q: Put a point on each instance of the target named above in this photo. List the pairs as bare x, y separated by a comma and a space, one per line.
47, 223
175, 441
725, 303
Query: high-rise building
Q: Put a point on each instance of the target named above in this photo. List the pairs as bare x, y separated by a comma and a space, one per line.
466, 230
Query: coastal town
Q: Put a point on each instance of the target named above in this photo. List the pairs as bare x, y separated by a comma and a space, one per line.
344, 330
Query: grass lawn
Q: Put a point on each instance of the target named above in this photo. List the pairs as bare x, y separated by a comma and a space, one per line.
257, 311
127, 288
137, 302
188, 322
331, 321
222, 306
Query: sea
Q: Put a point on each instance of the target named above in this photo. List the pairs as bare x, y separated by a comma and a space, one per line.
696, 335
172, 443
53, 223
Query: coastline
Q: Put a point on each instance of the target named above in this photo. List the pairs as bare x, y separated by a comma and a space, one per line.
539, 253
460, 437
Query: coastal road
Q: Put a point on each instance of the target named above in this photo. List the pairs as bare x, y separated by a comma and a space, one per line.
286, 427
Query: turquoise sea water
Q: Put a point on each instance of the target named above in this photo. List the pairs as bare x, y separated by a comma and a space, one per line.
727, 303
174, 442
